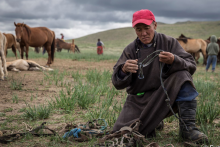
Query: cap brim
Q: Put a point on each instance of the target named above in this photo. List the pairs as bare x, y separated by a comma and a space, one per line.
145, 21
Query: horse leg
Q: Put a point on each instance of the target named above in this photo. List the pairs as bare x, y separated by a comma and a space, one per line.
22, 52
204, 56
1, 71
4, 66
197, 56
48, 48
14, 51
34, 69
27, 48
15, 69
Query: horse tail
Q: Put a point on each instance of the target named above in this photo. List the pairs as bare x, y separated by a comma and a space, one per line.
77, 48
53, 47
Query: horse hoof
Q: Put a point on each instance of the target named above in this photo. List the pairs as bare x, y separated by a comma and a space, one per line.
46, 66
5, 78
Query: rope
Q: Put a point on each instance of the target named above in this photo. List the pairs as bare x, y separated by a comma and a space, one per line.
141, 76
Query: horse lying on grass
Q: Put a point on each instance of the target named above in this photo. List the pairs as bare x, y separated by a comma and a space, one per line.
25, 65
3, 46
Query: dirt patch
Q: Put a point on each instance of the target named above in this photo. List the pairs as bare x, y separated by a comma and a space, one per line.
32, 91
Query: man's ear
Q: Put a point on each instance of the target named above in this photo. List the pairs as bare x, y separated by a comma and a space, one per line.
155, 25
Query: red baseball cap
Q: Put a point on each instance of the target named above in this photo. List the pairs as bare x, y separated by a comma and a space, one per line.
143, 16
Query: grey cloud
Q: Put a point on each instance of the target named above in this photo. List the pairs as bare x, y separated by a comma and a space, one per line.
104, 11
65, 14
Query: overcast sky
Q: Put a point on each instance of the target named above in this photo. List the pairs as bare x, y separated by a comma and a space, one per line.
76, 18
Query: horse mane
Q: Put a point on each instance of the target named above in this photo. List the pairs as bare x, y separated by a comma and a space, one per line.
185, 40
28, 29
183, 36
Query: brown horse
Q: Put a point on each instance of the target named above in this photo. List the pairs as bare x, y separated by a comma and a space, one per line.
60, 44
11, 43
191, 45
35, 37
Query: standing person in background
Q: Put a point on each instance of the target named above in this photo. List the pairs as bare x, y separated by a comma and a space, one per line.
100, 46
62, 36
212, 51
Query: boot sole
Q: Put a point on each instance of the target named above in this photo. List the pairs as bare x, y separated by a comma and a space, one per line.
199, 141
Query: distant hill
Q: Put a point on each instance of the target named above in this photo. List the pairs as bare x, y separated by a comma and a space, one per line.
120, 38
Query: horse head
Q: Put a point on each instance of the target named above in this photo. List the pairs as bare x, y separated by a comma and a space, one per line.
19, 31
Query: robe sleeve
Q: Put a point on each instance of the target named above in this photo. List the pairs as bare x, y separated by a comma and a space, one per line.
182, 60
125, 82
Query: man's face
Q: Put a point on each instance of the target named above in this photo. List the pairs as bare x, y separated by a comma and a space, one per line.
145, 32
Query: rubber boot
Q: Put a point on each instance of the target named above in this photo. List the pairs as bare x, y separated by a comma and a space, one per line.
187, 112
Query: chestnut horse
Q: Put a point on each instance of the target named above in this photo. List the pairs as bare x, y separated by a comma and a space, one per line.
60, 44
11, 43
192, 46
35, 37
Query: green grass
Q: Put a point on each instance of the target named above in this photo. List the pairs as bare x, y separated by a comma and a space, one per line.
8, 110
16, 84
85, 55
15, 98
37, 112
84, 95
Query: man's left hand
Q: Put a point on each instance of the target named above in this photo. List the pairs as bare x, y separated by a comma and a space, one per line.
166, 57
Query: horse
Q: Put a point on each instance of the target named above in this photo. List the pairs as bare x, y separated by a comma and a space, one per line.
60, 44
3, 47
35, 37
191, 45
11, 43
25, 65
196, 55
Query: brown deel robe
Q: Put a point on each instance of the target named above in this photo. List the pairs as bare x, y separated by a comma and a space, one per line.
151, 107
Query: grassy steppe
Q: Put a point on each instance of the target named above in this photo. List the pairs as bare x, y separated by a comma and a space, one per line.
78, 94
120, 38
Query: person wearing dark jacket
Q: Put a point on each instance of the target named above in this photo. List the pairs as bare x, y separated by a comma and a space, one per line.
146, 97
212, 50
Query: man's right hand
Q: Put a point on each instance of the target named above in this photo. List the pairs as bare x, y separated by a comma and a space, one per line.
130, 66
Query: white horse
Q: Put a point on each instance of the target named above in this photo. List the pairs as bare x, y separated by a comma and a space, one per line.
25, 65
3, 47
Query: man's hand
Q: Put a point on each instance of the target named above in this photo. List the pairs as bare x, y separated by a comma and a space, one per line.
166, 57
130, 66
